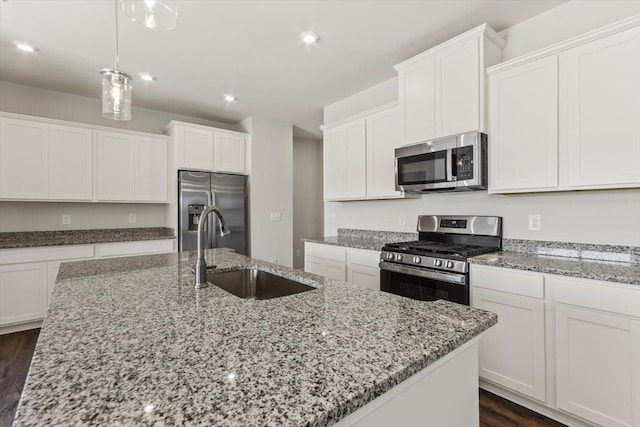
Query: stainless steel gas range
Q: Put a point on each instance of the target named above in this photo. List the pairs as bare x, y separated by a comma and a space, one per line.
435, 266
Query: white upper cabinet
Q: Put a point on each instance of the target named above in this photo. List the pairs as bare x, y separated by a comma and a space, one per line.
523, 106
345, 161
603, 104
116, 166
195, 148
383, 129
24, 159
151, 169
204, 148
442, 91
567, 117
416, 97
70, 163
457, 83
359, 157
229, 152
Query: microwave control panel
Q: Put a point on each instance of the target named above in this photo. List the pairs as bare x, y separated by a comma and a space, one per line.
463, 163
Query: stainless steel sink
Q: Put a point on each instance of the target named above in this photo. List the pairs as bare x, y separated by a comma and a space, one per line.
256, 284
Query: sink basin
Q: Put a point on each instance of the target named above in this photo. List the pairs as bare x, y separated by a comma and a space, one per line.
256, 284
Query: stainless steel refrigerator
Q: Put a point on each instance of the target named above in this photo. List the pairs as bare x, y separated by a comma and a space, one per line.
197, 190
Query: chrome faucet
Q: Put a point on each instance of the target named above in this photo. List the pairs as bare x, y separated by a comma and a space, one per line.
200, 269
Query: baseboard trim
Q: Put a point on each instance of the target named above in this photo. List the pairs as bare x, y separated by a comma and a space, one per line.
534, 406
9, 329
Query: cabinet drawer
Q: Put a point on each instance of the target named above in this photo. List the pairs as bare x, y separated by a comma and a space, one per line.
363, 257
108, 250
335, 253
506, 280
39, 254
598, 295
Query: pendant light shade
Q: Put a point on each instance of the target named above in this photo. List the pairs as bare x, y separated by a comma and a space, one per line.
116, 94
153, 14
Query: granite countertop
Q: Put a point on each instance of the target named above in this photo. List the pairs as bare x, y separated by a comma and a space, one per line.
129, 341
596, 269
372, 240
28, 239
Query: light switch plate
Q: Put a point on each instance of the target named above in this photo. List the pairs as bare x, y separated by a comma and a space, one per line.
354, 219
402, 219
66, 219
333, 217
535, 222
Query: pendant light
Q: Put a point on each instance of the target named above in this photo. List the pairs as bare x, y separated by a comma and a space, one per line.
153, 14
116, 88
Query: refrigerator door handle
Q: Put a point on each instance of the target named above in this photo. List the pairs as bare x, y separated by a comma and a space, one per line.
212, 221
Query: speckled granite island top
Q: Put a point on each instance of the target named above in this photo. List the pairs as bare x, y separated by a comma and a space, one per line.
28, 239
129, 341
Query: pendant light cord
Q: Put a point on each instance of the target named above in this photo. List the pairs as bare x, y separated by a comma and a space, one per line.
116, 9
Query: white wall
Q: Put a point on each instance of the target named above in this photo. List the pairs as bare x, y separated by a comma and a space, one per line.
568, 20
606, 217
42, 216
270, 188
307, 195
20, 216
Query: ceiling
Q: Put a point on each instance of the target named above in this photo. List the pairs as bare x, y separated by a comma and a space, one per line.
248, 48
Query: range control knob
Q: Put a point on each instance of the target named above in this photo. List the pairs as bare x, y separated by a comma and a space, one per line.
399, 257
390, 256
437, 262
449, 264
417, 260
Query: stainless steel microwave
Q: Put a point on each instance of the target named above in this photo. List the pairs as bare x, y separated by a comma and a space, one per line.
453, 163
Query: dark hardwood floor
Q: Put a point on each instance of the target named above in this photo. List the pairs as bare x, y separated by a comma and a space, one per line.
17, 349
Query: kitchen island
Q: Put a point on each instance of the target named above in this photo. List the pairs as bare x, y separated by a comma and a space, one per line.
130, 341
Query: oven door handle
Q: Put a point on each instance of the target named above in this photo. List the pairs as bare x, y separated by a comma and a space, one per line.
458, 279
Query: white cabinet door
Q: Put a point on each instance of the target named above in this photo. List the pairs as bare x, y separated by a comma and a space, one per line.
70, 163
229, 153
195, 148
512, 353
335, 270
24, 159
314, 265
151, 170
334, 163
598, 366
523, 146
116, 166
355, 171
383, 136
603, 102
23, 292
457, 87
417, 101
364, 275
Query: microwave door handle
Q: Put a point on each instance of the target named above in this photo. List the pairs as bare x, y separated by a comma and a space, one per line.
449, 165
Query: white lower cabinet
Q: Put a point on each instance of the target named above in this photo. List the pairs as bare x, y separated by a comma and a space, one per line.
357, 266
28, 275
566, 346
23, 292
512, 353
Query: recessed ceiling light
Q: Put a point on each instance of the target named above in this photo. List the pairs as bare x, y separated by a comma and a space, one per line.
229, 98
309, 37
25, 47
146, 77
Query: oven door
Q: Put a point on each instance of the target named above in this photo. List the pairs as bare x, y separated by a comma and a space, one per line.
423, 284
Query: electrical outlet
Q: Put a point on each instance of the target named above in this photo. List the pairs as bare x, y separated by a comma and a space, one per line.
354, 219
276, 216
297, 252
132, 217
333, 217
66, 219
402, 219
535, 222
273, 261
